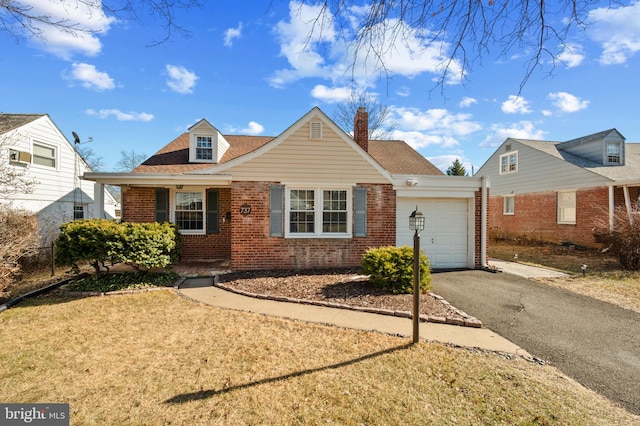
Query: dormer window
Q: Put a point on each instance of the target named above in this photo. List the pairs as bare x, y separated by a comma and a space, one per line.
204, 148
613, 153
206, 144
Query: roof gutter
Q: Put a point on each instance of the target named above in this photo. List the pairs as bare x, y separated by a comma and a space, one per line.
156, 179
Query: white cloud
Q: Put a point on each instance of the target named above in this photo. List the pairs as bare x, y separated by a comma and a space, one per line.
403, 92
617, 30
85, 19
431, 127
516, 105
310, 43
89, 77
253, 129
119, 115
331, 95
180, 79
231, 34
521, 130
467, 102
566, 102
571, 55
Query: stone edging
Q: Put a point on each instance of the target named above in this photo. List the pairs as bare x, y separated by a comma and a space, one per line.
466, 321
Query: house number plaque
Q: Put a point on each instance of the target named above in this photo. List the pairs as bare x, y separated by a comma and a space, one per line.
245, 209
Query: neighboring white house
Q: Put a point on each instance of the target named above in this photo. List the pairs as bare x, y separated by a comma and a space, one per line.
33, 144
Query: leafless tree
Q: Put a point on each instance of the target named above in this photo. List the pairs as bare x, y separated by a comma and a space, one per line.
129, 160
472, 29
380, 123
21, 19
13, 177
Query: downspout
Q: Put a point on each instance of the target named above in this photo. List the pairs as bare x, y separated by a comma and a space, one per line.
483, 224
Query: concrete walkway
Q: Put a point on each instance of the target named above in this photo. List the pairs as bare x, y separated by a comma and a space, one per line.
525, 271
202, 290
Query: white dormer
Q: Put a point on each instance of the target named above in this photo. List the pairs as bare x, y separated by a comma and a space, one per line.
206, 144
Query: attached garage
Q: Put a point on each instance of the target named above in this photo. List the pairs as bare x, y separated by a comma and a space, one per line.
449, 206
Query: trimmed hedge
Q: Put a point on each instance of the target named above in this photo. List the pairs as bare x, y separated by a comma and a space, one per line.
101, 241
391, 268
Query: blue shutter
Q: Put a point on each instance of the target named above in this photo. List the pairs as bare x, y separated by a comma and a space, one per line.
162, 205
360, 212
213, 211
276, 211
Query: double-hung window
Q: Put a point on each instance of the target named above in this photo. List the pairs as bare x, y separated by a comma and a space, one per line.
613, 154
509, 163
204, 148
567, 207
189, 211
318, 212
44, 155
509, 206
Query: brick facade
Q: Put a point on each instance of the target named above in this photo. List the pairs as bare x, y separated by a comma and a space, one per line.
253, 248
535, 215
139, 204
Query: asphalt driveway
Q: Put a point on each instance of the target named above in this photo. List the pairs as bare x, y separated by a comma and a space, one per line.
596, 343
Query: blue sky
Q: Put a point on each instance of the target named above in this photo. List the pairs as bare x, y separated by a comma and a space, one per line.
253, 70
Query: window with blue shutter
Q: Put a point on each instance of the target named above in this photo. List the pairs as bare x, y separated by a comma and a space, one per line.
162, 205
360, 212
276, 211
213, 211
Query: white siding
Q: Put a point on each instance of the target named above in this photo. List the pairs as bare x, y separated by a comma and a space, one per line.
537, 172
304, 160
57, 189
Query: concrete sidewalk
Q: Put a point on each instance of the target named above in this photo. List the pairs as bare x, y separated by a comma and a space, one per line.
202, 290
526, 271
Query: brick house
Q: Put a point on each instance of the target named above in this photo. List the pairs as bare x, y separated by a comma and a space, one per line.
553, 191
311, 197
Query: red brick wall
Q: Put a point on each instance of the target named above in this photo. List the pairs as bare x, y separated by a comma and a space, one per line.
253, 248
535, 216
478, 229
138, 205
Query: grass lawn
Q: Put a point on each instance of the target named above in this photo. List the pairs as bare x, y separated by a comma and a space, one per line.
603, 279
155, 358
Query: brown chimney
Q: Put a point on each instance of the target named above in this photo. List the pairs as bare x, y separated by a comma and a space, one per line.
361, 128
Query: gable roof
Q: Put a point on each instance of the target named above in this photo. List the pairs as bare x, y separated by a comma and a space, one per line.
393, 156
629, 171
10, 122
588, 138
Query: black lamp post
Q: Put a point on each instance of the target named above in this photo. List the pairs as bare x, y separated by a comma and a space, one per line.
416, 223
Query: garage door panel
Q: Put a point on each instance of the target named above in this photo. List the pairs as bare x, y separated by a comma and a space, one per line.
445, 237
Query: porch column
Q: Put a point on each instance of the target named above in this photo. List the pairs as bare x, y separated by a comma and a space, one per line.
627, 203
483, 224
611, 207
98, 200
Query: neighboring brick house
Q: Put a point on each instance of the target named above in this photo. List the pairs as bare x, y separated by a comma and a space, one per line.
33, 146
312, 197
554, 191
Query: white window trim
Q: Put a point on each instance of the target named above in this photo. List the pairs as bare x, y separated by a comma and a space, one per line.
575, 201
56, 155
504, 205
318, 212
508, 154
606, 153
172, 207
213, 147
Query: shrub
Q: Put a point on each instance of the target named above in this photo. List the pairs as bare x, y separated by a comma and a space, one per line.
18, 239
102, 241
624, 239
391, 268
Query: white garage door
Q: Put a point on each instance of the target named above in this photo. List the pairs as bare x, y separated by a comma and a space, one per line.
445, 239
